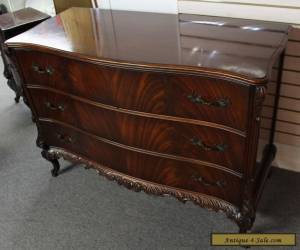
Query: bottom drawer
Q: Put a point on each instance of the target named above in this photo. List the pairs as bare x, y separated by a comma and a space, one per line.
144, 165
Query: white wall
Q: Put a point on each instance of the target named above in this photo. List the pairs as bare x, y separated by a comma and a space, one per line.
162, 6
17, 4
13, 5
45, 6
271, 10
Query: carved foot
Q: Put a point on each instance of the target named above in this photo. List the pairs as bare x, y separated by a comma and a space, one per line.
245, 224
269, 153
56, 168
270, 172
273, 151
54, 160
243, 229
25, 100
17, 98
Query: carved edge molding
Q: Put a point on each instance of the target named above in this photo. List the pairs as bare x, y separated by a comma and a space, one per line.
223, 74
137, 185
260, 95
247, 210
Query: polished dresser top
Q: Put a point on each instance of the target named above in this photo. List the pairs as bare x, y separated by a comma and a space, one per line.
238, 48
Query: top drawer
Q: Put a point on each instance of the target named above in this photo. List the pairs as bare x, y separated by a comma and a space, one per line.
185, 96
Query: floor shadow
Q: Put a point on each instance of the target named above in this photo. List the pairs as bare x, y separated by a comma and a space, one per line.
68, 168
279, 205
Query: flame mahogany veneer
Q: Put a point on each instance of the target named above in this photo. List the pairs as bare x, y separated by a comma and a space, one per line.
156, 106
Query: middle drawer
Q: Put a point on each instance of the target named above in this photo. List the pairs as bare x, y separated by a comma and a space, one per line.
197, 142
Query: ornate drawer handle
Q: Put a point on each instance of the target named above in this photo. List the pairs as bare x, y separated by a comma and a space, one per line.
47, 70
53, 107
64, 138
201, 144
200, 179
220, 103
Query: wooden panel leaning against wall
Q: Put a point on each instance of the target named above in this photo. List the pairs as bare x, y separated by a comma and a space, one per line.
288, 119
61, 5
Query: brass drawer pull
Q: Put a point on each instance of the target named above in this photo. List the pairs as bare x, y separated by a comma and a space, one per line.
201, 180
220, 103
48, 70
64, 138
53, 107
202, 145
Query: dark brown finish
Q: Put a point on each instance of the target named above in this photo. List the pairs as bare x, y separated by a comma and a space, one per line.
12, 24
53, 159
142, 116
144, 165
62, 5
159, 135
151, 41
138, 91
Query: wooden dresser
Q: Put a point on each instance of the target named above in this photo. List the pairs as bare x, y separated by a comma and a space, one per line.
124, 94
12, 24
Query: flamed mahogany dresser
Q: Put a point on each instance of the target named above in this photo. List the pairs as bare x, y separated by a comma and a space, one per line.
168, 104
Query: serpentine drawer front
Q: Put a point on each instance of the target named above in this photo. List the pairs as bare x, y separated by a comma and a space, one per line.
196, 142
160, 170
156, 107
203, 98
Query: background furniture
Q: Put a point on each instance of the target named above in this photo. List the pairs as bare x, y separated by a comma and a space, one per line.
61, 5
12, 24
3, 9
152, 113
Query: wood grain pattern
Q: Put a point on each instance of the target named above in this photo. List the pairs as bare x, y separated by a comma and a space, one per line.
145, 123
288, 129
157, 135
159, 170
142, 91
138, 185
131, 49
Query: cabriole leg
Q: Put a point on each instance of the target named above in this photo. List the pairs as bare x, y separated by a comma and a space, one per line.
53, 159
246, 224
17, 98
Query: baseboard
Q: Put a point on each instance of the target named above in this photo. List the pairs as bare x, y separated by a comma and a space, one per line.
288, 157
